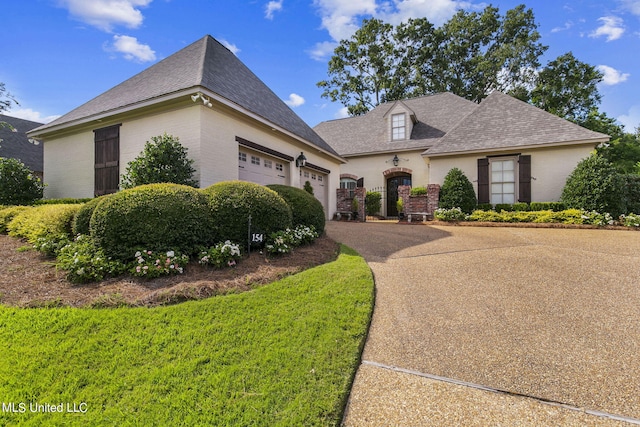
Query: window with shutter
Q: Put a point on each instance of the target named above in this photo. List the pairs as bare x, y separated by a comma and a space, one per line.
107, 158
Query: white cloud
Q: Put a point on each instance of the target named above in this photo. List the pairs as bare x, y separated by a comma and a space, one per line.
567, 26
294, 100
612, 28
271, 8
341, 113
321, 51
631, 120
342, 18
232, 47
132, 49
105, 14
632, 6
611, 75
29, 114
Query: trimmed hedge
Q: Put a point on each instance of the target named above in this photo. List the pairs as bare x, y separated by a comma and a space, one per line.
306, 210
45, 221
156, 217
82, 219
231, 204
67, 201
7, 214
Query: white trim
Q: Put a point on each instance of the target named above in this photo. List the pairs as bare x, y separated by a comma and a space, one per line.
517, 147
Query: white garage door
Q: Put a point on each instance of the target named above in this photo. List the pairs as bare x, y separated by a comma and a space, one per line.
261, 169
318, 181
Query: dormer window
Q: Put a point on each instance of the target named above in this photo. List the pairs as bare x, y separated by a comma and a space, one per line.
398, 127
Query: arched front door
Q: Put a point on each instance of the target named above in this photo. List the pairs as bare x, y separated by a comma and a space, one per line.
392, 191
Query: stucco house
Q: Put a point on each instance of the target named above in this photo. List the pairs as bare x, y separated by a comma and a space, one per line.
233, 125
510, 150
15, 144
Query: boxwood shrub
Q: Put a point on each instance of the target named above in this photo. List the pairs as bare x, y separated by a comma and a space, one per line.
152, 217
457, 192
80, 223
44, 221
231, 203
306, 210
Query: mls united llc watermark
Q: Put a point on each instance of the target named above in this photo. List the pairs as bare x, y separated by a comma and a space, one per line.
35, 407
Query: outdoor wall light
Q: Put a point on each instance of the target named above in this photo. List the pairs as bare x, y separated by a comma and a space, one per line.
204, 99
301, 161
395, 160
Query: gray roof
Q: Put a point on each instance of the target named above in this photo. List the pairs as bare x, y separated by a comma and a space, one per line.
207, 64
504, 122
16, 145
436, 115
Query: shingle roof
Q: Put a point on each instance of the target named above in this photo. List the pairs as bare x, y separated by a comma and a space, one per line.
16, 145
436, 115
207, 64
502, 122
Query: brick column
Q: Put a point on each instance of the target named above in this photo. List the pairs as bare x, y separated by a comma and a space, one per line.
404, 192
360, 194
433, 197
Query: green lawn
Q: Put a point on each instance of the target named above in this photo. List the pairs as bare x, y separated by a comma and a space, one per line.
283, 354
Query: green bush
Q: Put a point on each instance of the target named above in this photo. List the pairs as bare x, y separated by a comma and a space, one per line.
547, 206
85, 262
156, 217
372, 202
305, 208
46, 221
162, 161
419, 191
457, 191
7, 214
508, 207
81, 221
308, 187
595, 185
632, 193
452, 214
231, 204
65, 201
18, 184
485, 207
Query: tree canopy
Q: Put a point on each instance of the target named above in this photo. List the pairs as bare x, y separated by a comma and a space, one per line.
470, 55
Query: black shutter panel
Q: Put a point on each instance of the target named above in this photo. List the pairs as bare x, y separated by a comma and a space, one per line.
524, 178
483, 181
107, 155
360, 183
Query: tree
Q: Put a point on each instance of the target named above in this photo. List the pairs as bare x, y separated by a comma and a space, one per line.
18, 184
595, 185
470, 55
163, 160
568, 88
362, 68
457, 192
623, 153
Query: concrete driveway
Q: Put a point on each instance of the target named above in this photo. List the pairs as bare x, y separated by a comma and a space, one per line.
498, 326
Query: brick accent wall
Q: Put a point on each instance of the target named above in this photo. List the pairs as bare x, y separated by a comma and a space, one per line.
433, 197
403, 193
344, 201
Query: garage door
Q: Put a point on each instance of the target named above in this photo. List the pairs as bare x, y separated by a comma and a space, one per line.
261, 169
318, 181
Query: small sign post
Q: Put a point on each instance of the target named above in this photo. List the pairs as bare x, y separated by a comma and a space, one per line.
255, 238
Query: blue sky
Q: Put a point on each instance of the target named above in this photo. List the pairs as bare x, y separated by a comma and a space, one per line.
58, 54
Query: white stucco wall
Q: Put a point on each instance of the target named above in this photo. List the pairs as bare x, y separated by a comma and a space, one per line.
68, 166
550, 168
372, 167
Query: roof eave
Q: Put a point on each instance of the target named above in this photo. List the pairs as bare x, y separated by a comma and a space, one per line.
593, 141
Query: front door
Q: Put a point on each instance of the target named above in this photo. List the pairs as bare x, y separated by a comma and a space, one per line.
392, 192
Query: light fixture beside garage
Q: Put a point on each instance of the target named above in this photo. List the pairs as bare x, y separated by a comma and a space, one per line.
301, 160
206, 101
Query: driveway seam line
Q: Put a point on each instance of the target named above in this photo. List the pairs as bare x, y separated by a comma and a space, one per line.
461, 383
465, 250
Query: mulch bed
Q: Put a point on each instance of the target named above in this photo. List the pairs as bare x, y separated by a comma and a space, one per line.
29, 279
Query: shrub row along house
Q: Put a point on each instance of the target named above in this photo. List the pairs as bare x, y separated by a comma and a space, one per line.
235, 127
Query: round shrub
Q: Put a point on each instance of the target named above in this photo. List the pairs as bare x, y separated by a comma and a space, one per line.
80, 223
457, 192
305, 208
156, 217
18, 185
231, 203
595, 185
